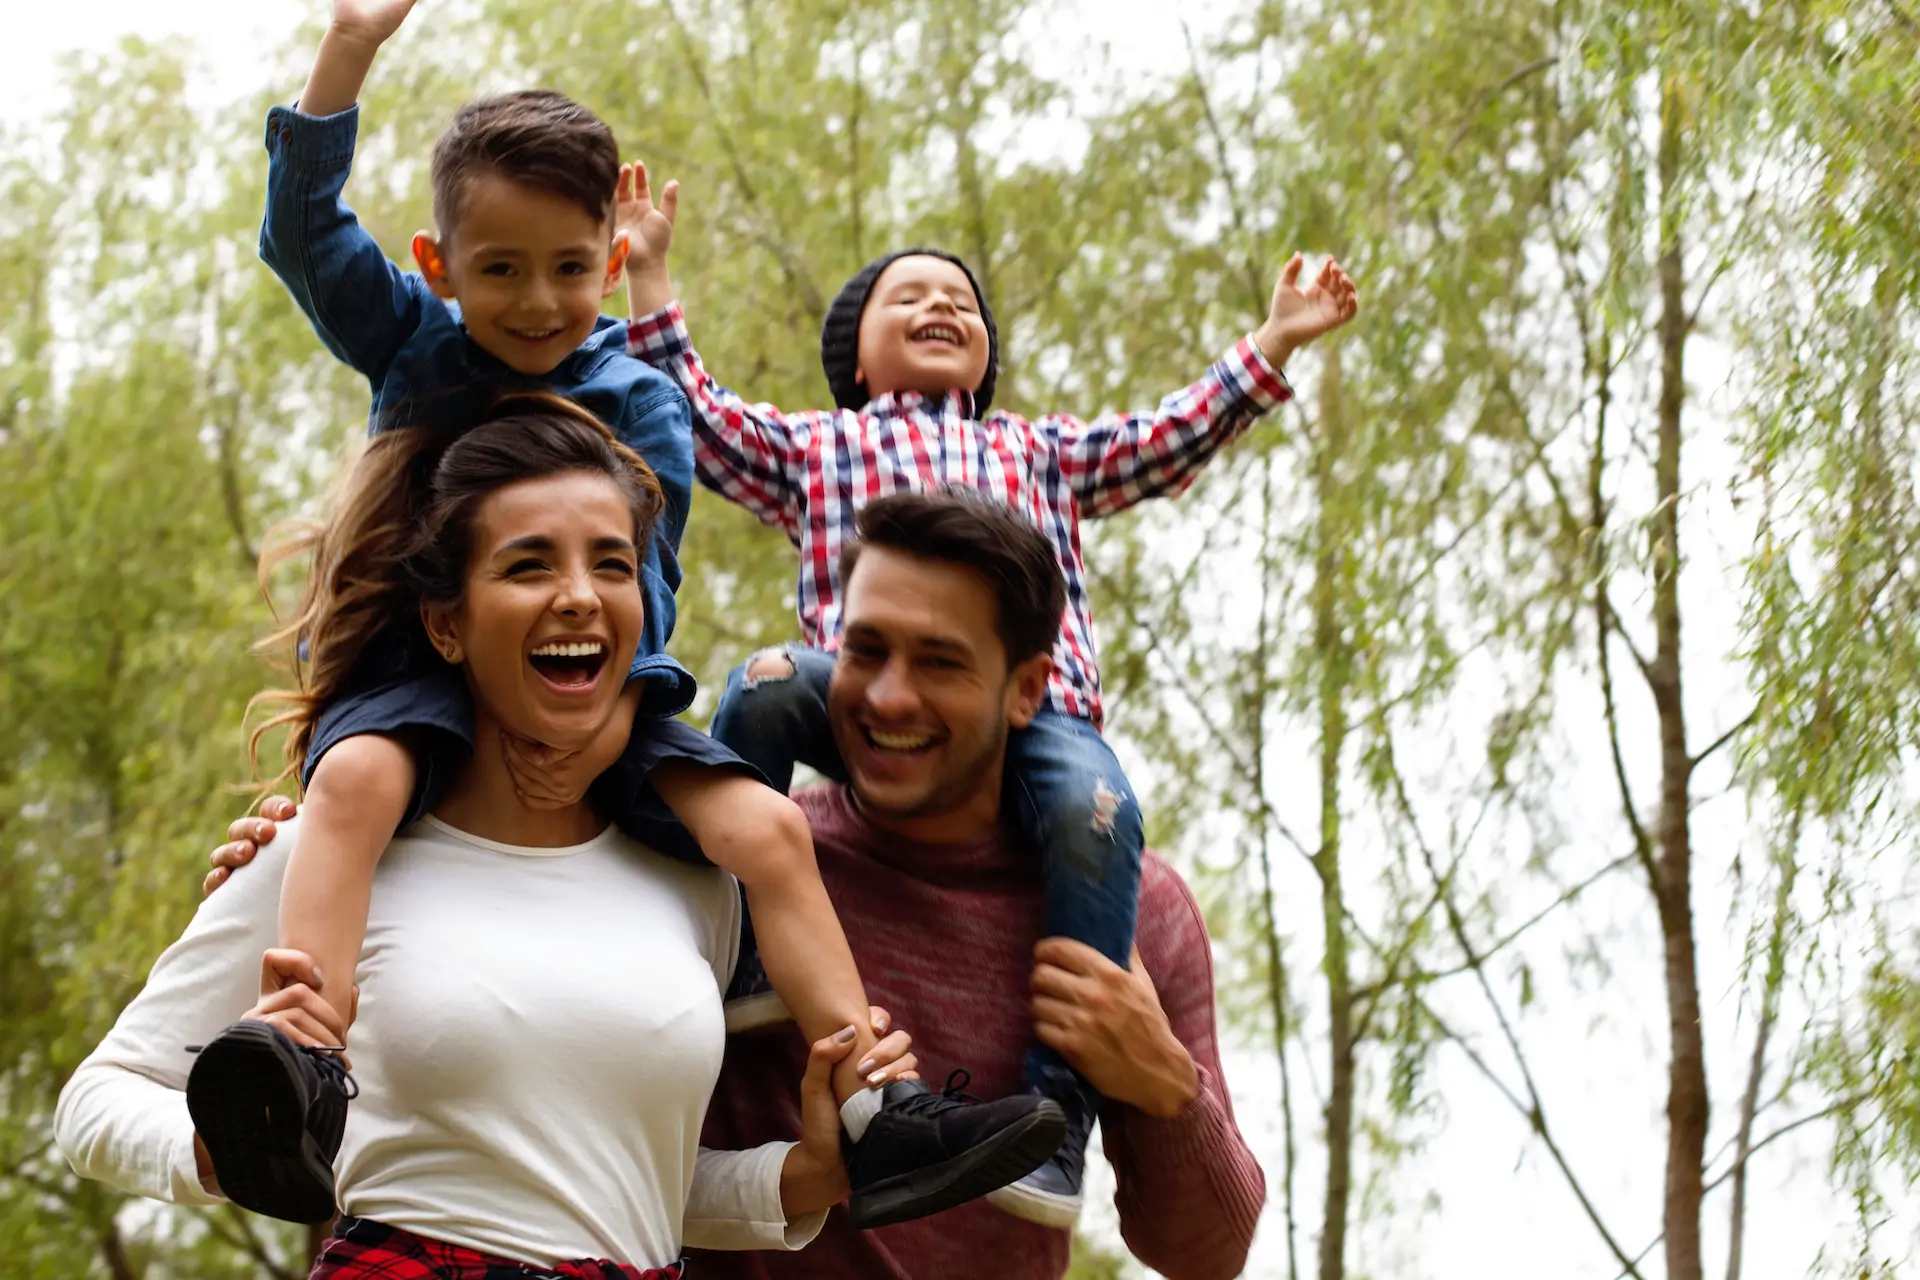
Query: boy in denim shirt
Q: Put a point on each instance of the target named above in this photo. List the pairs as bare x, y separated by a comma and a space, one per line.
910, 351
507, 299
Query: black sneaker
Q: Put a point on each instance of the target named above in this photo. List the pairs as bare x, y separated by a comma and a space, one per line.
1051, 1195
925, 1152
271, 1114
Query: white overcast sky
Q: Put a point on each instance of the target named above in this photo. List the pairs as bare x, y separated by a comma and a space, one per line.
1504, 1212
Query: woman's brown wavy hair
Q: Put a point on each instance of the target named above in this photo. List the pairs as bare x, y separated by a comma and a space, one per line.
401, 534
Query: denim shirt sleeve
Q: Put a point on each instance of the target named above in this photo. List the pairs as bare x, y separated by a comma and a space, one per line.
657, 424
363, 307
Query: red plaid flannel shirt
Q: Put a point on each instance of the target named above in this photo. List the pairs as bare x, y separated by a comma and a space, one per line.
365, 1250
808, 473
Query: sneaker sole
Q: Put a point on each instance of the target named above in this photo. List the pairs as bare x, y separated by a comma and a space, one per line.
247, 1105
1033, 1205
1010, 1155
752, 1013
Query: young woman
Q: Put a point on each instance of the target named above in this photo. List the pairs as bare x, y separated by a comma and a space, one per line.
542, 1026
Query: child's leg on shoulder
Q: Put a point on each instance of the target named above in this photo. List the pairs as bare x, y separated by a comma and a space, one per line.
1075, 806
674, 776
773, 714
379, 760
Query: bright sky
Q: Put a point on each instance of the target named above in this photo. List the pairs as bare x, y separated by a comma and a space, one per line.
1504, 1211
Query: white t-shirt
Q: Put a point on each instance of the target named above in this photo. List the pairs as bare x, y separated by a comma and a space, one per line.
538, 1036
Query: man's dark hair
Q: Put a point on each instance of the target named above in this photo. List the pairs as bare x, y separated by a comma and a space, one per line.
536, 137
957, 525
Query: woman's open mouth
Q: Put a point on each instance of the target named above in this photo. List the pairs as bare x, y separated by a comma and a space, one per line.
570, 666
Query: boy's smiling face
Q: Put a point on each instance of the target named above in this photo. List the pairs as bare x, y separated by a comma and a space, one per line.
528, 268
922, 330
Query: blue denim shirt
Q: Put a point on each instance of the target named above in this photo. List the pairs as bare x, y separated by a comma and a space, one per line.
422, 366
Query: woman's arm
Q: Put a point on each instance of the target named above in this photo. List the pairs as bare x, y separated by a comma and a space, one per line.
776, 1196
122, 1119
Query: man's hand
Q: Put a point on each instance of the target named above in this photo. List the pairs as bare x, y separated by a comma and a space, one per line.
244, 838
649, 229
553, 778
1107, 1022
373, 21
814, 1178
1298, 316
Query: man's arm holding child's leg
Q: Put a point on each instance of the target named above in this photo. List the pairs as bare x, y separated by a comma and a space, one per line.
363, 307
751, 454
1118, 460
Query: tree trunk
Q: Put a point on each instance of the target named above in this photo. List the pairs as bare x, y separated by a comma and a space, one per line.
1687, 1111
1330, 649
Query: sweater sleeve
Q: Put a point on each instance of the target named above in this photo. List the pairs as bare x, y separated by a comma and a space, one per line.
734, 1203
122, 1119
1189, 1189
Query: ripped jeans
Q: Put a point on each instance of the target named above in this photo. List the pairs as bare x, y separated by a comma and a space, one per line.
1070, 799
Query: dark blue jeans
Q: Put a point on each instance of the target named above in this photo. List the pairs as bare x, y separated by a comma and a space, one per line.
1066, 790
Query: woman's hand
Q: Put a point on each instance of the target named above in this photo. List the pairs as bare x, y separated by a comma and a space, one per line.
814, 1178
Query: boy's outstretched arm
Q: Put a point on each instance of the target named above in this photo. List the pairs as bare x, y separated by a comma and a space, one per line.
1115, 461
347, 50
751, 454
362, 306
1297, 316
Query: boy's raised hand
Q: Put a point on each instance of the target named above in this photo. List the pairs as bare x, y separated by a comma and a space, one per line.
649, 226
371, 20
1300, 315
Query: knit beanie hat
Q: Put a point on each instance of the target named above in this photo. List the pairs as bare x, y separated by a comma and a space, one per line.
840, 335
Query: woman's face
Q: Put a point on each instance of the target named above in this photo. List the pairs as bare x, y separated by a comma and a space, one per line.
552, 610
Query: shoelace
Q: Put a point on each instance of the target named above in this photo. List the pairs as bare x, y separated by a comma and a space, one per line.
327, 1058
952, 1094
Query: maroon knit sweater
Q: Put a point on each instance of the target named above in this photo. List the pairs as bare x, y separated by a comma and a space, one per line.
944, 939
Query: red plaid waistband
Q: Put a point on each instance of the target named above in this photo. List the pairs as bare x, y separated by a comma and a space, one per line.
364, 1250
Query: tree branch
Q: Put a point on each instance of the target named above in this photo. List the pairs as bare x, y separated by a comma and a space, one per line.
1534, 1109
1721, 741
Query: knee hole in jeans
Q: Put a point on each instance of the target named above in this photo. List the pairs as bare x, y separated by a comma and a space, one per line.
768, 665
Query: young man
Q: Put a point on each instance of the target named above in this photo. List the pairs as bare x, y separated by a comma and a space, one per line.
949, 606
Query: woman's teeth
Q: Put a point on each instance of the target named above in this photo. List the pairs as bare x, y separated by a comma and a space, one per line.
585, 649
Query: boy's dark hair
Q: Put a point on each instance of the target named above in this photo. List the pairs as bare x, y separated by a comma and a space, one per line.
957, 525
536, 137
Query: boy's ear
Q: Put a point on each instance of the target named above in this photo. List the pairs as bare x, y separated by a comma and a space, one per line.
433, 264
443, 632
616, 264
1027, 689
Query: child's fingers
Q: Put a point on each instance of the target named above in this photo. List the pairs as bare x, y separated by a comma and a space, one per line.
641, 191
670, 200
282, 967
1290, 274
623, 189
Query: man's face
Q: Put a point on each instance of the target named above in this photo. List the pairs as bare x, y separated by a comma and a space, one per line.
528, 269
922, 330
921, 699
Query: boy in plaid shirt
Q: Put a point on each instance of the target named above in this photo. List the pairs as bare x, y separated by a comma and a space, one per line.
910, 352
